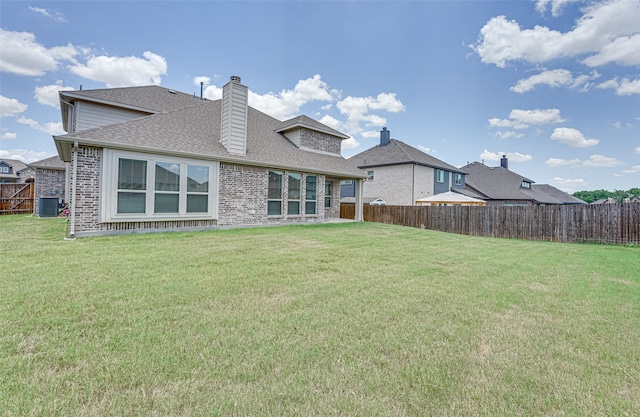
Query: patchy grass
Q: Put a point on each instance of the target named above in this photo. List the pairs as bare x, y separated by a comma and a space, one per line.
358, 319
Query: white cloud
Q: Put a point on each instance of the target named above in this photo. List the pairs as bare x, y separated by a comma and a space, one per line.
556, 5
623, 51
637, 150
572, 137
48, 94
10, 107
559, 162
53, 15
512, 156
287, 103
624, 87
555, 78
426, 149
522, 119
600, 161
607, 30
123, 71
23, 155
357, 110
23, 55
594, 161
9, 135
634, 170
569, 182
509, 135
350, 143
52, 128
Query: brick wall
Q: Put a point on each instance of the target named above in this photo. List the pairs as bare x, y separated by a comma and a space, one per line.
320, 141
242, 200
49, 183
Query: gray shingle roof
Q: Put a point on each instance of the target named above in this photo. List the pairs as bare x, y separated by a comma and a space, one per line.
194, 131
399, 153
309, 123
560, 195
498, 183
54, 163
151, 98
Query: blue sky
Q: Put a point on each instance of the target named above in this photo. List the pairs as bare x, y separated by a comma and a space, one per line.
553, 84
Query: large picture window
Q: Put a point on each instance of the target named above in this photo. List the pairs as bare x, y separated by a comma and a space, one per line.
142, 186
311, 194
274, 202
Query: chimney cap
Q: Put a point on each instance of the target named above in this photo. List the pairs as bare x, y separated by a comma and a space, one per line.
235, 79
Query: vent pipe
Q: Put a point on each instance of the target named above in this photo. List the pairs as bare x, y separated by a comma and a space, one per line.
385, 137
504, 162
201, 89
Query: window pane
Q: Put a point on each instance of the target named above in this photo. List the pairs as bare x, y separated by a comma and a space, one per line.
294, 186
275, 185
167, 176
197, 203
310, 207
311, 187
274, 208
132, 174
328, 191
197, 179
166, 203
293, 207
131, 202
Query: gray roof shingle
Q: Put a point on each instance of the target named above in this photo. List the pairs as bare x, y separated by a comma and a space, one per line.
194, 131
498, 183
54, 163
560, 195
399, 153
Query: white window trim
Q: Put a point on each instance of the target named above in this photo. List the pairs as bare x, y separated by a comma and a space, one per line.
109, 189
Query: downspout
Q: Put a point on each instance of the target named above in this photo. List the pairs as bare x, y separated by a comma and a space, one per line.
72, 220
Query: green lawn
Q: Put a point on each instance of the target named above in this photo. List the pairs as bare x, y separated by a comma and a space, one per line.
357, 319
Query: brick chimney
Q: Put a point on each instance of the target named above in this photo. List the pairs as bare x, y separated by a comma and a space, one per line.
504, 162
385, 137
233, 133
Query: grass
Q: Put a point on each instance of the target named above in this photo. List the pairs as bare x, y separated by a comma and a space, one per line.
358, 319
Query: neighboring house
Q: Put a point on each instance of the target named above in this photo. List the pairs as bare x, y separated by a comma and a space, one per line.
152, 159
14, 171
450, 198
51, 181
500, 186
401, 174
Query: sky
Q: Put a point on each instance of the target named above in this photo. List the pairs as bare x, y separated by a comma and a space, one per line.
552, 84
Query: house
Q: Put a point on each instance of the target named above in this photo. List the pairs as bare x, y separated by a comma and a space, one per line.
148, 159
401, 174
51, 181
503, 187
14, 171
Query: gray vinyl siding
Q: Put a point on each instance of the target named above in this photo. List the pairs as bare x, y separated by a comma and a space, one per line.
90, 115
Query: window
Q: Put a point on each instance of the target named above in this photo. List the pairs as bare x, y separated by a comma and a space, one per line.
346, 182
328, 192
311, 194
370, 174
458, 179
293, 202
440, 175
274, 203
141, 186
132, 186
4, 169
525, 184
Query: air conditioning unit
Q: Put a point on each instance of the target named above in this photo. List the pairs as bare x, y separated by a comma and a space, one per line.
48, 207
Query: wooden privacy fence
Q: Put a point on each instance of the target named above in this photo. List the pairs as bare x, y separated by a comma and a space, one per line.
601, 223
16, 198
